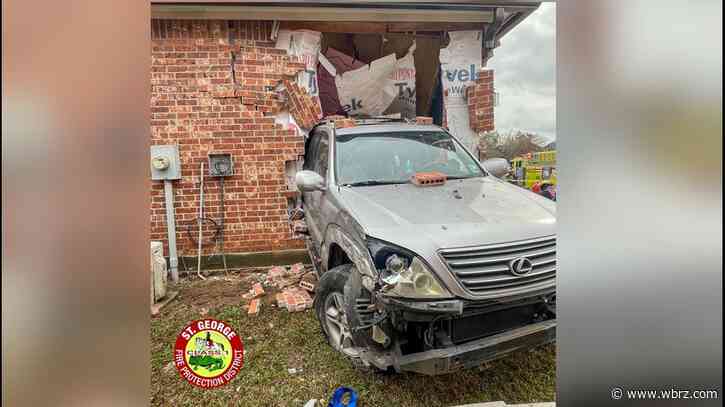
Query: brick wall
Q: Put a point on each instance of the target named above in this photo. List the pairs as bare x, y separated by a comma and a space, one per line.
215, 87
212, 91
480, 102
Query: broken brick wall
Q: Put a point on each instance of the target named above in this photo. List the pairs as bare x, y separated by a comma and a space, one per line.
212, 91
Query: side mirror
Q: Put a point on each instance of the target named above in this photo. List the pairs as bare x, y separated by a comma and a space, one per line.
309, 181
498, 167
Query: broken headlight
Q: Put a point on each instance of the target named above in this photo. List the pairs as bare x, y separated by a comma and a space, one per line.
403, 274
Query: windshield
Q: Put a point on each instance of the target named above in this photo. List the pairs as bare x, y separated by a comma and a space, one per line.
389, 158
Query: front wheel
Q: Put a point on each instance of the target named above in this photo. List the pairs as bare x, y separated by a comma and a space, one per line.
332, 312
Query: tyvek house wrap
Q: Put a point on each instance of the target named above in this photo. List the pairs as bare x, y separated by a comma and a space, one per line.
401, 83
460, 66
306, 45
331, 64
362, 91
385, 86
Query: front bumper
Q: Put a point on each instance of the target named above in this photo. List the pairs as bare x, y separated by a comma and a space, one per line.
477, 352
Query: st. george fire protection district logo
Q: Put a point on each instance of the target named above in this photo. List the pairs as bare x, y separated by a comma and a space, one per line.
208, 353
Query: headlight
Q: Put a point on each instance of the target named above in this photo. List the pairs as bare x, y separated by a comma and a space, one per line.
403, 274
417, 281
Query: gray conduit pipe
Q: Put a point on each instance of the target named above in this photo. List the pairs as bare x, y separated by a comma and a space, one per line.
221, 237
171, 226
201, 221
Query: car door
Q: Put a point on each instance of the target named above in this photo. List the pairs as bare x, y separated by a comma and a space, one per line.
317, 160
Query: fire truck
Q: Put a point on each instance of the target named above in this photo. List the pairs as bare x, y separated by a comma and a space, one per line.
531, 168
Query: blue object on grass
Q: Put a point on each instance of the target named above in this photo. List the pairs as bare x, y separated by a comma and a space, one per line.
337, 396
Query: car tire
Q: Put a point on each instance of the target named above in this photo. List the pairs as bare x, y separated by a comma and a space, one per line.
331, 311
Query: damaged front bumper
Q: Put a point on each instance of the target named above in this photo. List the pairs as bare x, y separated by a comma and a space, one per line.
477, 352
462, 341
466, 355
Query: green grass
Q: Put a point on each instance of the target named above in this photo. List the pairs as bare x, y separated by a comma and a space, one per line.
276, 340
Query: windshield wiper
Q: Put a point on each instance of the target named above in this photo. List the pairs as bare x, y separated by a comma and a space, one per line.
371, 182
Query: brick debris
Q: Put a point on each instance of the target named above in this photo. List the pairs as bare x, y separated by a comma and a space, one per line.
292, 287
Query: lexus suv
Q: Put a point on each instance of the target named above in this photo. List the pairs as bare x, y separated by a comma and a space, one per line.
427, 262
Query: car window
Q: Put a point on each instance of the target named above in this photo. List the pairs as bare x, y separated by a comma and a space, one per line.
317, 154
323, 155
311, 152
396, 156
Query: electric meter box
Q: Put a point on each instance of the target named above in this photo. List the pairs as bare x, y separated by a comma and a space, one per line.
220, 165
165, 162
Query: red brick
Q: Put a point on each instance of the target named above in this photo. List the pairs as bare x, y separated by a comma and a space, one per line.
281, 299
297, 269
305, 108
428, 179
257, 290
295, 299
195, 104
341, 122
479, 97
254, 307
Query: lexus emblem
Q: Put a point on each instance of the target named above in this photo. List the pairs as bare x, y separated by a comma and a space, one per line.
520, 266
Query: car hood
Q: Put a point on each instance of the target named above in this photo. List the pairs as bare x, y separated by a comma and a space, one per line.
465, 212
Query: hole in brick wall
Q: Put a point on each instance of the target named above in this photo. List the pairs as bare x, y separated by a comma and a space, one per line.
290, 170
248, 42
291, 204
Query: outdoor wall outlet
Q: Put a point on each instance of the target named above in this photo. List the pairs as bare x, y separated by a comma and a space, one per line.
165, 162
220, 165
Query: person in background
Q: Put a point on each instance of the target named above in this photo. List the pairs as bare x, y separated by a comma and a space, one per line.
548, 191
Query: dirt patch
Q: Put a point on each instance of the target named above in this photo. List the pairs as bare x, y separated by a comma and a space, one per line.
214, 292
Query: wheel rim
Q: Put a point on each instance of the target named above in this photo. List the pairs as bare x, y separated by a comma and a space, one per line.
337, 325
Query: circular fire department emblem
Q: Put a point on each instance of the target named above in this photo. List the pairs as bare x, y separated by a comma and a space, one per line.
208, 353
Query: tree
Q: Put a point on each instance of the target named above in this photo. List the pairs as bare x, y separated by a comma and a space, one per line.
509, 146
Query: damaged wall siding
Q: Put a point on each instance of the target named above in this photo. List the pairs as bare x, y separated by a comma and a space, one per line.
461, 63
196, 103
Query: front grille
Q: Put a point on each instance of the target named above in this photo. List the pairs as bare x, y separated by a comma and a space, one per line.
476, 326
485, 269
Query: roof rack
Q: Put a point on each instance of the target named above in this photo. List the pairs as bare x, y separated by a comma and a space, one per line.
381, 119
343, 122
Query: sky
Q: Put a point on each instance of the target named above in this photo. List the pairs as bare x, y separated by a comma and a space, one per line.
524, 75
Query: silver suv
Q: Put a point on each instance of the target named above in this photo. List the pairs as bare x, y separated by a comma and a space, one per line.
424, 278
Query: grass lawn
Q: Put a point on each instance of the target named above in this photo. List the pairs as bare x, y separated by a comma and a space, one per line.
276, 340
